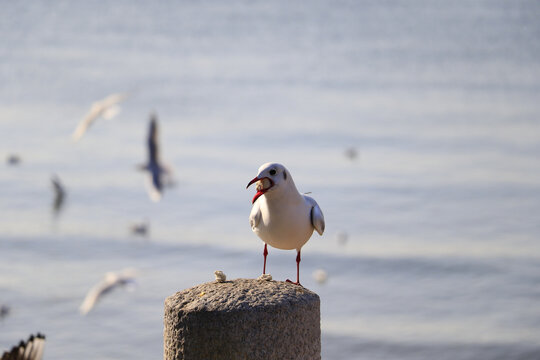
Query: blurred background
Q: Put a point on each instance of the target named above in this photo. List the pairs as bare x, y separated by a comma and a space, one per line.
415, 125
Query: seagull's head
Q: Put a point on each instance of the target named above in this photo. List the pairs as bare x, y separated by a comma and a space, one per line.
270, 178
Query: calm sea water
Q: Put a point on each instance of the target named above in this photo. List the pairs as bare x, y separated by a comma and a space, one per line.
440, 100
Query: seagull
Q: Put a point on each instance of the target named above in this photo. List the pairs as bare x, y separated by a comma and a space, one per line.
109, 282
59, 194
281, 216
342, 238
157, 172
31, 349
4, 311
13, 159
141, 228
106, 108
351, 153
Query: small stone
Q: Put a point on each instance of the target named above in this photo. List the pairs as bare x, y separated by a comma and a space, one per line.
220, 276
265, 277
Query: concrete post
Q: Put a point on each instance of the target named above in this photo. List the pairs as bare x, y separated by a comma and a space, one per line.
242, 319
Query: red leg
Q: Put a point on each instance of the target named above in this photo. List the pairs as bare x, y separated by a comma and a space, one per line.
297, 270
265, 253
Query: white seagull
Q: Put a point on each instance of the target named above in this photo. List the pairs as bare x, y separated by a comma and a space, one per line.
141, 228
106, 108
281, 216
109, 282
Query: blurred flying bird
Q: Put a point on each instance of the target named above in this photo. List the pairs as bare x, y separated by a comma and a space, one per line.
109, 282
281, 216
141, 228
351, 153
13, 159
59, 194
31, 349
4, 311
342, 238
106, 108
158, 175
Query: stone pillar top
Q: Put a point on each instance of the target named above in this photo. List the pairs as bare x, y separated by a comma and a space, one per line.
242, 319
239, 294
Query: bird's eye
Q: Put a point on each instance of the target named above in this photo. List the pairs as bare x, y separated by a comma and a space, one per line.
273, 172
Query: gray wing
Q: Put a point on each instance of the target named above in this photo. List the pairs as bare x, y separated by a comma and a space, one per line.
255, 216
317, 217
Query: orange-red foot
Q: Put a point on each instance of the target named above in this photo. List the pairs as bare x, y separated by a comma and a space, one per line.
295, 283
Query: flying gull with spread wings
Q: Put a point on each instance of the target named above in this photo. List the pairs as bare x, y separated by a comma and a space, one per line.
106, 108
158, 175
109, 282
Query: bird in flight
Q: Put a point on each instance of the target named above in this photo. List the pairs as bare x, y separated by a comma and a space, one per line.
59, 194
110, 281
106, 108
158, 175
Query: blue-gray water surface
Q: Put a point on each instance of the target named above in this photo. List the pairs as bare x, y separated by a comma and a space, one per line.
431, 246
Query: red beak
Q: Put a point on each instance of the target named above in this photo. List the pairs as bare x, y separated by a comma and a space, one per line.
252, 181
261, 191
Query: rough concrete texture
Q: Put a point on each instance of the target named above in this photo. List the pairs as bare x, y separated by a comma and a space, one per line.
243, 319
